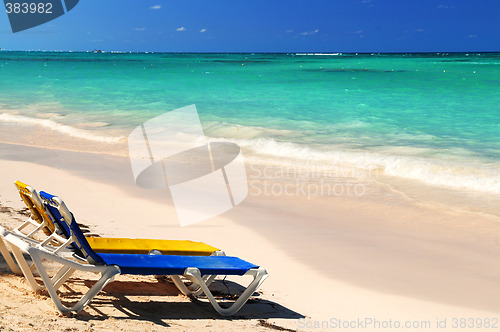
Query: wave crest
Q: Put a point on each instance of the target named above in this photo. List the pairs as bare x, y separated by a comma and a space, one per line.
62, 128
435, 172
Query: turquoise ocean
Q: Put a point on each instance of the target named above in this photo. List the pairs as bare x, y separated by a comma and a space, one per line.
433, 118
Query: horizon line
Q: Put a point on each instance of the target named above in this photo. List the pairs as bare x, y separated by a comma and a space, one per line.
262, 52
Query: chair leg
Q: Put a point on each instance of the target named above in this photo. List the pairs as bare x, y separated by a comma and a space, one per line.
259, 275
62, 275
106, 276
196, 290
181, 286
8, 258
25, 268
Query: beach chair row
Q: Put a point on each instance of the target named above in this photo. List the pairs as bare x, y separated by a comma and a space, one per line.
51, 233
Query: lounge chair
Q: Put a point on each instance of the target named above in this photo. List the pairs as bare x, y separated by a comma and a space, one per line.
57, 233
193, 268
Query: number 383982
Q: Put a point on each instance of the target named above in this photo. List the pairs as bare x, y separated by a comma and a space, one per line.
28, 8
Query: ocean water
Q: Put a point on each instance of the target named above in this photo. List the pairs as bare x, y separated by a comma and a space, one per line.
434, 118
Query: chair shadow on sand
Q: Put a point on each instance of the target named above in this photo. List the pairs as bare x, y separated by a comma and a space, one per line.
164, 302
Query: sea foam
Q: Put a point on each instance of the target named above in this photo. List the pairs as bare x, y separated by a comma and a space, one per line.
435, 172
59, 127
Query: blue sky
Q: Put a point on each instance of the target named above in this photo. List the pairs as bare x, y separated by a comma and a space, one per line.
267, 26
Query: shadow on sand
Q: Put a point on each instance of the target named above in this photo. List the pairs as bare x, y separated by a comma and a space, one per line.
164, 301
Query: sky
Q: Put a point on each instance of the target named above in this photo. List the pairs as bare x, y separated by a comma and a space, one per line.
266, 26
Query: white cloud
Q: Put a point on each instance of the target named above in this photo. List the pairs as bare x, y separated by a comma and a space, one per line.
445, 7
288, 31
203, 30
140, 29
309, 33
181, 29
472, 36
419, 30
155, 7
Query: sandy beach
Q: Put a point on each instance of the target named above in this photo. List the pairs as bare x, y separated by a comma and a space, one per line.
364, 260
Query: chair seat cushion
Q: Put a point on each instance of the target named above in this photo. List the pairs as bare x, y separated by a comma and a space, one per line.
176, 265
144, 246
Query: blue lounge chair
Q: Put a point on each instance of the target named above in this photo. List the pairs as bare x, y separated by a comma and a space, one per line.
193, 268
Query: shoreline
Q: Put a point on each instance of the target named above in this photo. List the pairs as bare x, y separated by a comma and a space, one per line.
467, 180
455, 197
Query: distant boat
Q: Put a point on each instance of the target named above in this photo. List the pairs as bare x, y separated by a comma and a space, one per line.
97, 51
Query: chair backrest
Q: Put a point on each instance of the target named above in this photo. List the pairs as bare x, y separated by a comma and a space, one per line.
38, 213
65, 218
